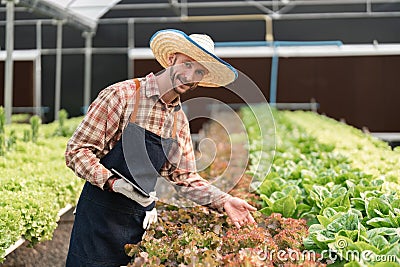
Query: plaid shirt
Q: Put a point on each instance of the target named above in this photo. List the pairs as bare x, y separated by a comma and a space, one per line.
105, 121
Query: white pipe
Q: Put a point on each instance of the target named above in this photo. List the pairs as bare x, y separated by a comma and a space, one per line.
259, 6
275, 5
184, 8
141, 6
131, 45
9, 66
16, 9
38, 71
125, 20
95, 50
230, 4
140, 19
297, 51
368, 6
246, 3
21, 55
57, 96
273, 16
25, 22
224, 18
88, 68
334, 2
338, 15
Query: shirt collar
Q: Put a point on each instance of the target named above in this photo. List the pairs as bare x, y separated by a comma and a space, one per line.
151, 89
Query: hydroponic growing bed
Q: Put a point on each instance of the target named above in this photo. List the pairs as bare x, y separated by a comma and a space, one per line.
35, 185
343, 182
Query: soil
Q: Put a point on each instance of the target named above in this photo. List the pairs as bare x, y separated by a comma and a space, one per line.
47, 253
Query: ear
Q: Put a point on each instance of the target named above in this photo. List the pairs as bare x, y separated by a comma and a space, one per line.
171, 59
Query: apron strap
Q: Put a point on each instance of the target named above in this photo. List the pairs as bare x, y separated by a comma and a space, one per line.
174, 126
135, 111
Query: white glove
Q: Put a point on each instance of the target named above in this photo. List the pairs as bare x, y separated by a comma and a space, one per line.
123, 187
151, 217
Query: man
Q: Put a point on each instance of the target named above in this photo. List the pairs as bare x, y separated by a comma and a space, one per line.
136, 128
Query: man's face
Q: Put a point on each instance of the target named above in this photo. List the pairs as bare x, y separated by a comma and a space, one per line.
185, 73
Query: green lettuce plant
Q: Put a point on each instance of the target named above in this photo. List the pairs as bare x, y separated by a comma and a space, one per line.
339, 179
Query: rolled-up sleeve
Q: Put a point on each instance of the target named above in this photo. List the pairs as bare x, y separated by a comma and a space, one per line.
92, 136
188, 182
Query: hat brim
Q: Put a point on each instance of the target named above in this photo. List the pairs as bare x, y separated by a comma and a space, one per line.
166, 42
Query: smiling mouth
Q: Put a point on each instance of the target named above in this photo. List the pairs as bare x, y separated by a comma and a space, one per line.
190, 85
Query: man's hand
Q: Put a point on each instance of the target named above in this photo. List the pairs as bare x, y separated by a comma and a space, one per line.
122, 187
238, 211
150, 218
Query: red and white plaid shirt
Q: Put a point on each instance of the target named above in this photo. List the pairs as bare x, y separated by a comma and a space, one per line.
105, 121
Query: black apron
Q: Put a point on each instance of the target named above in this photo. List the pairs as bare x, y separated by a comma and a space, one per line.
106, 221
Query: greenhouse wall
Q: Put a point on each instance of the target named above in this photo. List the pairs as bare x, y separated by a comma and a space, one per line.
361, 90
23, 84
111, 66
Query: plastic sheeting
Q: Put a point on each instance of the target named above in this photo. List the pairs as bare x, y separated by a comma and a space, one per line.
82, 13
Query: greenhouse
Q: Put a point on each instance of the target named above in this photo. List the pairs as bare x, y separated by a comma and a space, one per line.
199, 133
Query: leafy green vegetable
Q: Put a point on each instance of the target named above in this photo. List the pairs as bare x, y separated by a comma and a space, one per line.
34, 183
344, 182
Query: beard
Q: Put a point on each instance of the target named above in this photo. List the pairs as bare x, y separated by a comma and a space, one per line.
174, 77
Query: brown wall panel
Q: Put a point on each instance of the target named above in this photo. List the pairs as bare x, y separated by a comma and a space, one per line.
22, 83
364, 91
254, 68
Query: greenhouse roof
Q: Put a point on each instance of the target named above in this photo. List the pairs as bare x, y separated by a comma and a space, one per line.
82, 13
86, 14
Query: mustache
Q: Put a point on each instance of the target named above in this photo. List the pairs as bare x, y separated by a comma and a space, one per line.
192, 85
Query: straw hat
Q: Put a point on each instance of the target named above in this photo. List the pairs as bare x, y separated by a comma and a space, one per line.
200, 47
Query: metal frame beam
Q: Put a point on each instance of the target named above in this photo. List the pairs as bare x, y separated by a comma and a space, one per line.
57, 96
224, 4
9, 64
57, 13
276, 14
38, 72
88, 69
